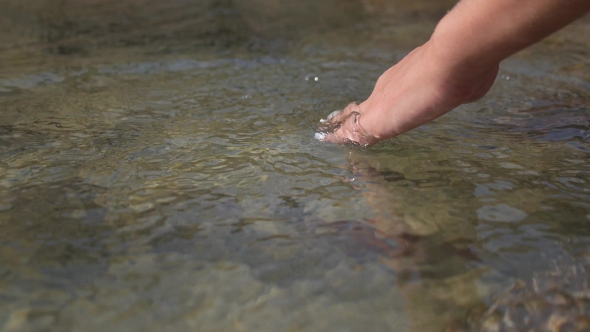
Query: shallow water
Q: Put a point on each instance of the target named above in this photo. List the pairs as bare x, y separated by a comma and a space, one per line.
158, 170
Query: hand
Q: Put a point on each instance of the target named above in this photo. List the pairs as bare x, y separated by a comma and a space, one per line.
457, 65
420, 88
344, 127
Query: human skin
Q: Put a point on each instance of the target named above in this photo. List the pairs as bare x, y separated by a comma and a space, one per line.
457, 65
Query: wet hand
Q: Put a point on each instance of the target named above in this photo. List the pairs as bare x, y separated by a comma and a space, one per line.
344, 127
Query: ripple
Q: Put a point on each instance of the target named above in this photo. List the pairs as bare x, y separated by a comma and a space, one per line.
501, 213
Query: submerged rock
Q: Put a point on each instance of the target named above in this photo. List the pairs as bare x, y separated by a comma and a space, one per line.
554, 301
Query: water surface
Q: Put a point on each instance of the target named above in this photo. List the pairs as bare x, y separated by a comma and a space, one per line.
158, 170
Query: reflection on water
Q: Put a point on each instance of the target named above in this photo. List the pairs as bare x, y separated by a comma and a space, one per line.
158, 171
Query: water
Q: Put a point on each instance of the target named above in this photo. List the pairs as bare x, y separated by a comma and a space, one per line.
158, 170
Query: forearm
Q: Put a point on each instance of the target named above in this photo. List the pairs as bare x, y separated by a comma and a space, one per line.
480, 33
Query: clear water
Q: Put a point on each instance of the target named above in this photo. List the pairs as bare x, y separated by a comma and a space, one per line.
158, 171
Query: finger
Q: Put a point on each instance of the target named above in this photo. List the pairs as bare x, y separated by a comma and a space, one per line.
338, 116
350, 131
345, 133
343, 127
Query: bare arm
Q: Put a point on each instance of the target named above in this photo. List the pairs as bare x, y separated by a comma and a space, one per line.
457, 65
484, 32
